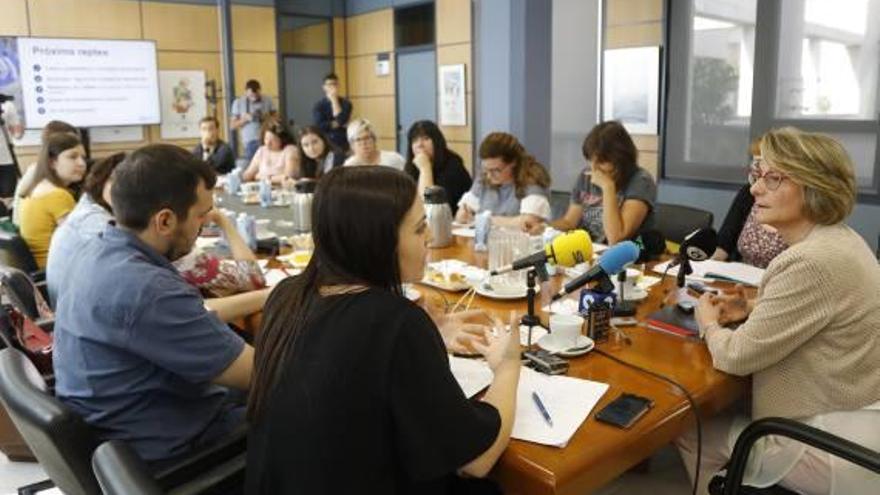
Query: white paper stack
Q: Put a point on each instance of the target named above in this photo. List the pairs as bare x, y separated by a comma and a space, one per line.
710, 270
568, 400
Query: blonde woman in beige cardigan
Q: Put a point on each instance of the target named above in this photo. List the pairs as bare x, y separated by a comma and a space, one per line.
811, 338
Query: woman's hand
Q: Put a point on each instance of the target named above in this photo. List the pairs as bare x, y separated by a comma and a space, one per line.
707, 312
733, 305
603, 180
464, 215
531, 224
422, 162
458, 335
502, 344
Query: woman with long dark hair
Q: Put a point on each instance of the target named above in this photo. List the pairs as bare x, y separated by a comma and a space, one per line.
430, 162
352, 391
319, 155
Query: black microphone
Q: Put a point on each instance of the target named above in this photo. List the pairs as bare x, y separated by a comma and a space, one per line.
699, 245
612, 261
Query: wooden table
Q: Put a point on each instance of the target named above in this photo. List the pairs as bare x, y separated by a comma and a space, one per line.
599, 453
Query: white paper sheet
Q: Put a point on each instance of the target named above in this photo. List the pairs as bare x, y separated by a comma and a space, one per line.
472, 375
710, 270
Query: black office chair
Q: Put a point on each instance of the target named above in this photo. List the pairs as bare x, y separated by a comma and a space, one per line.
121, 472
15, 252
22, 294
59, 438
677, 221
63, 442
731, 482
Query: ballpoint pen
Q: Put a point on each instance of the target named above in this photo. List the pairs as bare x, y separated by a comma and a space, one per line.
543, 409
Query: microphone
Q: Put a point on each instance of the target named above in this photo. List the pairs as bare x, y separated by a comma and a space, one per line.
611, 262
567, 249
699, 245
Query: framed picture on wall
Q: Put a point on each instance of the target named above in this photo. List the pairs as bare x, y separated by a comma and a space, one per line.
182, 93
631, 88
453, 103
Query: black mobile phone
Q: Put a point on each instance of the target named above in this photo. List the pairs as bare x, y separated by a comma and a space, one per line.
700, 288
625, 410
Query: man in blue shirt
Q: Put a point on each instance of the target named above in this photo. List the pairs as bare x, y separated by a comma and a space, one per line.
333, 112
136, 352
248, 114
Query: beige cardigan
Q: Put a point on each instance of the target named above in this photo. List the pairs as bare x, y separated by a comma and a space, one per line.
812, 342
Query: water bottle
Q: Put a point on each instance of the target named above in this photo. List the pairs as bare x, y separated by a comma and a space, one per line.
242, 224
482, 226
265, 193
252, 232
233, 182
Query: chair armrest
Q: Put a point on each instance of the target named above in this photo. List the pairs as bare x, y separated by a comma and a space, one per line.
797, 431
209, 465
118, 468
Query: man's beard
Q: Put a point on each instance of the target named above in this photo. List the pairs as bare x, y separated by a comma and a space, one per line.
181, 246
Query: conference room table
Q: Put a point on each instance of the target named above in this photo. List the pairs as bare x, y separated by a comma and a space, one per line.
598, 453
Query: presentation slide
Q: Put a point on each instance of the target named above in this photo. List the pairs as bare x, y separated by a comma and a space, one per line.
89, 83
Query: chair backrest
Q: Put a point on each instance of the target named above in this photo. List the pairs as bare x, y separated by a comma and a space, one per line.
15, 252
121, 472
58, 437
677, 221
20, 290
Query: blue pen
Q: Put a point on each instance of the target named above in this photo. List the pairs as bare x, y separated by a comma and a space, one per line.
543, 409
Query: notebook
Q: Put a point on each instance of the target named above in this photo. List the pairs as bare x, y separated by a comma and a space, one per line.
673, 321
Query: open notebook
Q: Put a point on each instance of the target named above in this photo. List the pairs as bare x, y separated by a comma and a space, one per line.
568, 400
719, 270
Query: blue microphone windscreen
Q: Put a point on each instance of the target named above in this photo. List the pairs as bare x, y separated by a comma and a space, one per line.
618, 256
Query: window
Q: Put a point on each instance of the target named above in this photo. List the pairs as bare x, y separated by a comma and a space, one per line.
817, 69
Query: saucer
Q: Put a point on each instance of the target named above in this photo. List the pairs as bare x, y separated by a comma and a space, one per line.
636, 294
584, 345
495, 291
464, 232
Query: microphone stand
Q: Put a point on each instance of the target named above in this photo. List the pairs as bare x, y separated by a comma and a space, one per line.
623, 307
531, 319
684, 269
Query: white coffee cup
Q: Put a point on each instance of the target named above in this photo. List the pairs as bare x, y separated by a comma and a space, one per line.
632, 277
565, 329
250, 187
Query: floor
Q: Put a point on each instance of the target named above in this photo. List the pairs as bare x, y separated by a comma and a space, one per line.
666, 476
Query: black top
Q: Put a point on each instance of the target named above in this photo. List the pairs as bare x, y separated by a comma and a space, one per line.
734, 221
221, 157
366, 404
452, 176
322, 115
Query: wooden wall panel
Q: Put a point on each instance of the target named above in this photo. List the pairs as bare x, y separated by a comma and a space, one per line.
260, 66
211, 63
338, 36
379, 111
310, 40
453, 18
646, 142
181, 26
650, 34
457, 54
648, 160
105, 19
340, 67
253, 29
387, 145
370, 33
621, 12
13, 21
362, 78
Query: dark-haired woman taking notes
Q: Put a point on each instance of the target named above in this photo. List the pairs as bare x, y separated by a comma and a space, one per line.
352, 391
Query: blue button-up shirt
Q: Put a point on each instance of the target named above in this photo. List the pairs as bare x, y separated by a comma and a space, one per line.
136, 350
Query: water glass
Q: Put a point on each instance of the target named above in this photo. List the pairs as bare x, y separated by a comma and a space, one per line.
505, 246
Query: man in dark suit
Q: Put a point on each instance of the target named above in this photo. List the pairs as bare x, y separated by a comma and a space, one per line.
333, 112
212, 149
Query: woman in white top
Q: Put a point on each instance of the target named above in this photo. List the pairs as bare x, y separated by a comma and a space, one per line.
277, 159
513, 186
362, 138
810, 338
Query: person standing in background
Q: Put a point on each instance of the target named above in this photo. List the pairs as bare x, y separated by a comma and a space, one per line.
248, 113
332, 113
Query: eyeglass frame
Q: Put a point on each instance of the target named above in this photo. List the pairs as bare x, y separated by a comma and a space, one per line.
772, 179
494, 172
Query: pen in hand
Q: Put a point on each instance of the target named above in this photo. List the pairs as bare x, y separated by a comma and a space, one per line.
542, 408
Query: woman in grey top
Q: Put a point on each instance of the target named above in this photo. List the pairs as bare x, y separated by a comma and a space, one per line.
513, 186
613, 199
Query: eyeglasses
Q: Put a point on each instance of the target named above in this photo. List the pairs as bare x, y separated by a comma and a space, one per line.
772, 179
364, 139
494, 170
